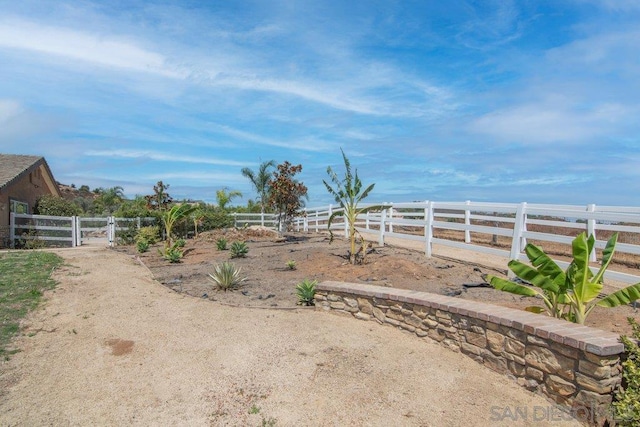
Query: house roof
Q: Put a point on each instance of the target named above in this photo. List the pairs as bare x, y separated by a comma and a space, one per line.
15, 166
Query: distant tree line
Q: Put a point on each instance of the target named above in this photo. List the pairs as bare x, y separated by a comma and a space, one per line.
277, 191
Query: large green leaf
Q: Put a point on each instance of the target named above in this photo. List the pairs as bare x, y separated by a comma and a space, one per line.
514, 288
581, 274
607, 255
544, 264
533, 276
621, 297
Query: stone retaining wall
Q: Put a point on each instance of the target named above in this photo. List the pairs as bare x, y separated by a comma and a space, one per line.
576, 366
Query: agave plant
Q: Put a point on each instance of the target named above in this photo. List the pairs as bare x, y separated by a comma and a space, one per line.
221, 244
570, 294
226, 276
142, 246
306, 291
173, 253
239, 250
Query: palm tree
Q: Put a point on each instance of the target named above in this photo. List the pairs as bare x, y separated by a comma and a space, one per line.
260, 180
225, 196
110, 199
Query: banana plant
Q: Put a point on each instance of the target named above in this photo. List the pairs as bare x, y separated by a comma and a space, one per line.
171, 217
570, 294
348, 194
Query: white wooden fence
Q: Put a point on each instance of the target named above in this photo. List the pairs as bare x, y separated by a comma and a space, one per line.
67, 231
500, 229
263, 219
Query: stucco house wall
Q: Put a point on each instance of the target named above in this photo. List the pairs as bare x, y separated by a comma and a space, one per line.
23, 179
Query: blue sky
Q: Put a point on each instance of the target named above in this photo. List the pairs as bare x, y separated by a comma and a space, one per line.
503, 101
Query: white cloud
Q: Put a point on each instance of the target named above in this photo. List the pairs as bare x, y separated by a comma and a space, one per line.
549, 123
84, 46
9, 109
308, 144
163, 157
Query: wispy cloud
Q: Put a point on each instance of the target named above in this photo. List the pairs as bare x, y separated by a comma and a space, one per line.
83, 46
163, 157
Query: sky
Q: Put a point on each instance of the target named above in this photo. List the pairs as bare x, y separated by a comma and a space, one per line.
499, 101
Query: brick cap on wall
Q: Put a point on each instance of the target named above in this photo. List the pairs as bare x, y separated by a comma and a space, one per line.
592, 340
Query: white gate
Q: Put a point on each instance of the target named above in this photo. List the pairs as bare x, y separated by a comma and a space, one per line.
38, 230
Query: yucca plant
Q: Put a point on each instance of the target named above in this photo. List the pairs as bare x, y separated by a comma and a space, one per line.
306, 291
221, 244
239, 250
570, 294
226, 276
291, 264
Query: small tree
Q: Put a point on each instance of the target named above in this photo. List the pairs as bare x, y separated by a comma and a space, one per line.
160, 199
348, 194
260, 181
287, 193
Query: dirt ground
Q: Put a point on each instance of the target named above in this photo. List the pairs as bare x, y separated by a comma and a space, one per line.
271, 284
112, 346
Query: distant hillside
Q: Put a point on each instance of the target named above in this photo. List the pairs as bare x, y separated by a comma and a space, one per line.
71, 193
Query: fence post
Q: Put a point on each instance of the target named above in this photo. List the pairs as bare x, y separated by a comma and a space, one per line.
74, 231
391, 219
383, 219
591, 230
12, 230
467, 221
518, 226
367, 220
305, 221
428, 228
262, 218
111, 227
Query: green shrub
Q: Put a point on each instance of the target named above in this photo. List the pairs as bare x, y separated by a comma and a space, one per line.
181, 243
214, 219
142, 246
239, 250
627, 403
221, 244
226, 276
56, 206
150, 234
172, 254
291, 264
306, 291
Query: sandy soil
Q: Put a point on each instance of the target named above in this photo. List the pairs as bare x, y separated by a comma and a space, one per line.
111, 346
270, 283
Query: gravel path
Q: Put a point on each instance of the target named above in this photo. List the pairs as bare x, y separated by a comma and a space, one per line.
113, 347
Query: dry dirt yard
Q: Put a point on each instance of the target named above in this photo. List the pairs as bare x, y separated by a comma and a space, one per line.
271, 284
113, 346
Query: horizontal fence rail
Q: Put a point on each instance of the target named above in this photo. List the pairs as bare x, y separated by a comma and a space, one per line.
34, 230
500, 229
248, 219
